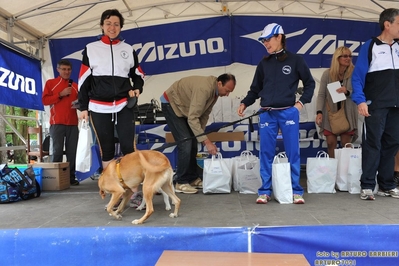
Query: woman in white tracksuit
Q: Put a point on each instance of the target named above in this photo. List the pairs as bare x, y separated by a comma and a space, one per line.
276, 82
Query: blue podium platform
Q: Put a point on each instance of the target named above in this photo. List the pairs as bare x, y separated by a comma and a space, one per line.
321, 245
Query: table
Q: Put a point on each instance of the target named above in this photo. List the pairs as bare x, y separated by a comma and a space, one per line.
200, 258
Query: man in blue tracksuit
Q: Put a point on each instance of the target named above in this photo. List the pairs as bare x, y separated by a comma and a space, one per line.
276, 82
375, 83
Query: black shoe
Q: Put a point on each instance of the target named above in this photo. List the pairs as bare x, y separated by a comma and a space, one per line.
75, 183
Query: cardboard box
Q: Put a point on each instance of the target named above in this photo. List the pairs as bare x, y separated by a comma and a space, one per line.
214, 136
55, 176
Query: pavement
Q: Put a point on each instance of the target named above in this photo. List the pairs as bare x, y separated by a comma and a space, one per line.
82, 206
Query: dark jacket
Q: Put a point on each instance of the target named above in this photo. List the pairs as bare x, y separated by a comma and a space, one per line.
376, 75
276, 82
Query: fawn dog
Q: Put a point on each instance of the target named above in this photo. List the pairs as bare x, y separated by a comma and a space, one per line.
151, 168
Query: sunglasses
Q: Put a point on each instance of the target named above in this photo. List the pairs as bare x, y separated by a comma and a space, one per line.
345, 56
267, 40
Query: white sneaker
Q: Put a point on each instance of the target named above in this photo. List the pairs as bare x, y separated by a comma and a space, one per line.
367, 194
394, 193
185, 188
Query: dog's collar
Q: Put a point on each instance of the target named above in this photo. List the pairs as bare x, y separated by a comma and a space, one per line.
118, 172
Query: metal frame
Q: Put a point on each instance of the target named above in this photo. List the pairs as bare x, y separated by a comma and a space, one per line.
4, 117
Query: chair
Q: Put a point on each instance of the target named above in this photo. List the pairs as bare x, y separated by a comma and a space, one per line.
36, 150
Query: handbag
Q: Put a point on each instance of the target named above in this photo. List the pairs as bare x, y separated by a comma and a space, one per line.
281, 179
217, 175
338, 121
16, 186
83, 151
321, 173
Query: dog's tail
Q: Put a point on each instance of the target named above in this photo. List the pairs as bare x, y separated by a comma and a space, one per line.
155, 168
134, 144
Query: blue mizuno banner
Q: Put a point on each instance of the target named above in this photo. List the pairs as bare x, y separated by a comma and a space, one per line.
20, 80
221, 41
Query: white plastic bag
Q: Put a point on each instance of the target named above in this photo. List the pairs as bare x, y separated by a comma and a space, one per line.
343, 156
281, 179
355, 171
249, 180
83, 151
321, 173
245, 157
217, 175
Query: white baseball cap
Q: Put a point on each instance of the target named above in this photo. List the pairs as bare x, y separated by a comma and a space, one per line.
270, 30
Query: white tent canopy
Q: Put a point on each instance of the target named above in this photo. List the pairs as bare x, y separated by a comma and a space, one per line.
28, 24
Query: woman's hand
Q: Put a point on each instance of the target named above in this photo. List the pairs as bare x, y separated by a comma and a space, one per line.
298, 106
343, 90
134, 93
319, 119
84, 115
241, 109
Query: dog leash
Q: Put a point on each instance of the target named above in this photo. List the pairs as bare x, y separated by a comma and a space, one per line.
167, 145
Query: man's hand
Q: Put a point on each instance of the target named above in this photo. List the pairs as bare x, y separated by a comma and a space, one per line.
212, 149
363, 109
65, 92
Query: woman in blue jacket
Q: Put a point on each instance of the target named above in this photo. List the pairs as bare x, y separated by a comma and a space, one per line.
276, 82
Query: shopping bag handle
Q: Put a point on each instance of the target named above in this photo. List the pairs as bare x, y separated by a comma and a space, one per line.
322, 154
279, 156
84, 124
245, 155
218, 156
349, 144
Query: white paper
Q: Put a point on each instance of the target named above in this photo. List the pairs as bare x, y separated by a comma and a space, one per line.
332, 89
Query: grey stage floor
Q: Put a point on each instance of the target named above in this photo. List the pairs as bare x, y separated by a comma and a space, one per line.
82, 206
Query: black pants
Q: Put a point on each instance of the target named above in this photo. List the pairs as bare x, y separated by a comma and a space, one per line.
380, 143
68, 135
104, 126
186, 171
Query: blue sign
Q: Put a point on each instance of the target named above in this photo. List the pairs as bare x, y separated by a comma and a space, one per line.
20, 80
225, 40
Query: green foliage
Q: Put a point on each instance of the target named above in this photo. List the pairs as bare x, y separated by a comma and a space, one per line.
20, 125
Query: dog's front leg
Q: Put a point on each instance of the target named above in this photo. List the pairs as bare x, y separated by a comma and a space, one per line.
126, 197
114, 200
